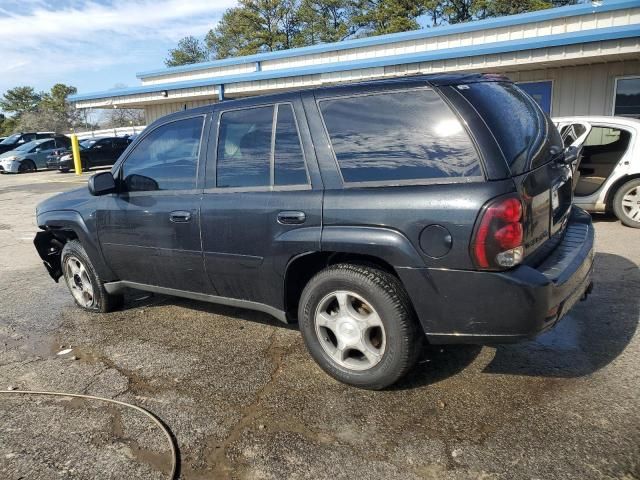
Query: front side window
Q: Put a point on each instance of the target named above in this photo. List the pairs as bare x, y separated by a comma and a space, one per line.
627, 102
399, 136
166, 159
244, 148
46, 145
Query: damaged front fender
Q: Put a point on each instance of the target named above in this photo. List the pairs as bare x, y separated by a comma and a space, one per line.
49, 248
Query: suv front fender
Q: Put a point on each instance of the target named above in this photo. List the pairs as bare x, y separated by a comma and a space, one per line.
60, 226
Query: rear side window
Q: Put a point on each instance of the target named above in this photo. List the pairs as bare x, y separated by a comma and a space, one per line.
289, 166
244, 148
523, 131
399, 136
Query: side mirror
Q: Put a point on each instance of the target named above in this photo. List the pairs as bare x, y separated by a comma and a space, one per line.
101, 184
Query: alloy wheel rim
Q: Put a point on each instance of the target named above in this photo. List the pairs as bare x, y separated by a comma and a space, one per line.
631, 204
350, 330
78, 281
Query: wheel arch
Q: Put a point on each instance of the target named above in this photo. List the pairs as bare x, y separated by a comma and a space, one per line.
60, 226
613, 189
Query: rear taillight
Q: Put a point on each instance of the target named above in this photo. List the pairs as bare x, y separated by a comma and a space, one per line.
497, 240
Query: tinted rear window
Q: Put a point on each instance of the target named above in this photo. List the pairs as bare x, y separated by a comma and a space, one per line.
398, 136
523, 131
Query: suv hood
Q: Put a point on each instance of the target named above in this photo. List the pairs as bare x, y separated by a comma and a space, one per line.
71, 200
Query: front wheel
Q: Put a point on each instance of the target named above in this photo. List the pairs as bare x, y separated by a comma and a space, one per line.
83, 282
27, 166
626, 203
359, 326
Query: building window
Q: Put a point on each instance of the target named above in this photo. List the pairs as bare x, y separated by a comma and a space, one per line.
540, 92
627, 101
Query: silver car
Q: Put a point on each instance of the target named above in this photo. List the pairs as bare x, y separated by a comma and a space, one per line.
607, 177
31, 156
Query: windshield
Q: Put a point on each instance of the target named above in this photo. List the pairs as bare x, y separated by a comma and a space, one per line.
27, 146
12, 139
523, 131
84, 144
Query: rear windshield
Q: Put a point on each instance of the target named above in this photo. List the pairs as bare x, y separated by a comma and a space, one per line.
523, 131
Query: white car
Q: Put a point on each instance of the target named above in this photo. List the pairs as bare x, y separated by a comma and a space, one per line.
607, 178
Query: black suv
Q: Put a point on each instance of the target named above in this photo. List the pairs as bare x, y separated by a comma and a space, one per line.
377, 215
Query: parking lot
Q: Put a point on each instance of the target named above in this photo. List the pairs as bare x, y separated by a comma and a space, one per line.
244, 400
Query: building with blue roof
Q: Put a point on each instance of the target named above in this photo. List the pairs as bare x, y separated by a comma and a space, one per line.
576, 60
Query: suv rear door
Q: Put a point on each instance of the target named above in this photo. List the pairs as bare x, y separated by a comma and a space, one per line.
263, 198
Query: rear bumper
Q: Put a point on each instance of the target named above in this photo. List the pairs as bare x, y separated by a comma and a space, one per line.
456, 306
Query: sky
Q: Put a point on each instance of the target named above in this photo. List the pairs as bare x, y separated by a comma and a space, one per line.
94, 45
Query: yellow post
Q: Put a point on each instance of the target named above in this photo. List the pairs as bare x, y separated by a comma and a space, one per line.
75, 149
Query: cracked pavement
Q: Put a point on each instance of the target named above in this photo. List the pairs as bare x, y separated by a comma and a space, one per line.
245, 401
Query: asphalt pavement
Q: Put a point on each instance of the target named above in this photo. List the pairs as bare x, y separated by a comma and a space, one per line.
244, 399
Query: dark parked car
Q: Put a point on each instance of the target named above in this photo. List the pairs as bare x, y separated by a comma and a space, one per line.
94, 152
21, 138
377, 215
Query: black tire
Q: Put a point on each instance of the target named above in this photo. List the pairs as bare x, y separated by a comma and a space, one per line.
101, 300
27, 166
64, 170
629, 215
403, 338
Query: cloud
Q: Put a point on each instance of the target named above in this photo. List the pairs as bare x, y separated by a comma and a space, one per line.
47, 41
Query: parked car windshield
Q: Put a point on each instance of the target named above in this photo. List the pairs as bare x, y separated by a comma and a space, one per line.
10, 140
87, 143
523, 131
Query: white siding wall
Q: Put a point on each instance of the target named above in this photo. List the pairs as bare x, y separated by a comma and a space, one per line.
577, 90
153, 112
583, 89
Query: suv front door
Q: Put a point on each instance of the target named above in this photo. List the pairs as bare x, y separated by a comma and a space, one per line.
150, 230
263, 199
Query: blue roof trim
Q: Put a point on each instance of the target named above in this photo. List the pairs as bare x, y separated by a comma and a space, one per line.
587, 36
531, 17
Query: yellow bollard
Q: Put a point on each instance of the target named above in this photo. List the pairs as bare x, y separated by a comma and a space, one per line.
75, 149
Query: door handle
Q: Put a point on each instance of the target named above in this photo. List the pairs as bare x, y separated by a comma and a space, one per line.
180, 216
291, 218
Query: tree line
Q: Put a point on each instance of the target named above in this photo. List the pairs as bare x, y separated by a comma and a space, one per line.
26, 110
256, 26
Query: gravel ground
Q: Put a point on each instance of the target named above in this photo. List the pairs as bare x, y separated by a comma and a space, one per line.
244, 400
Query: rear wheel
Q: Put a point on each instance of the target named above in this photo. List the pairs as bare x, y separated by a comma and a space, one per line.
86, 287
27, 166
626, 203
358, 325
